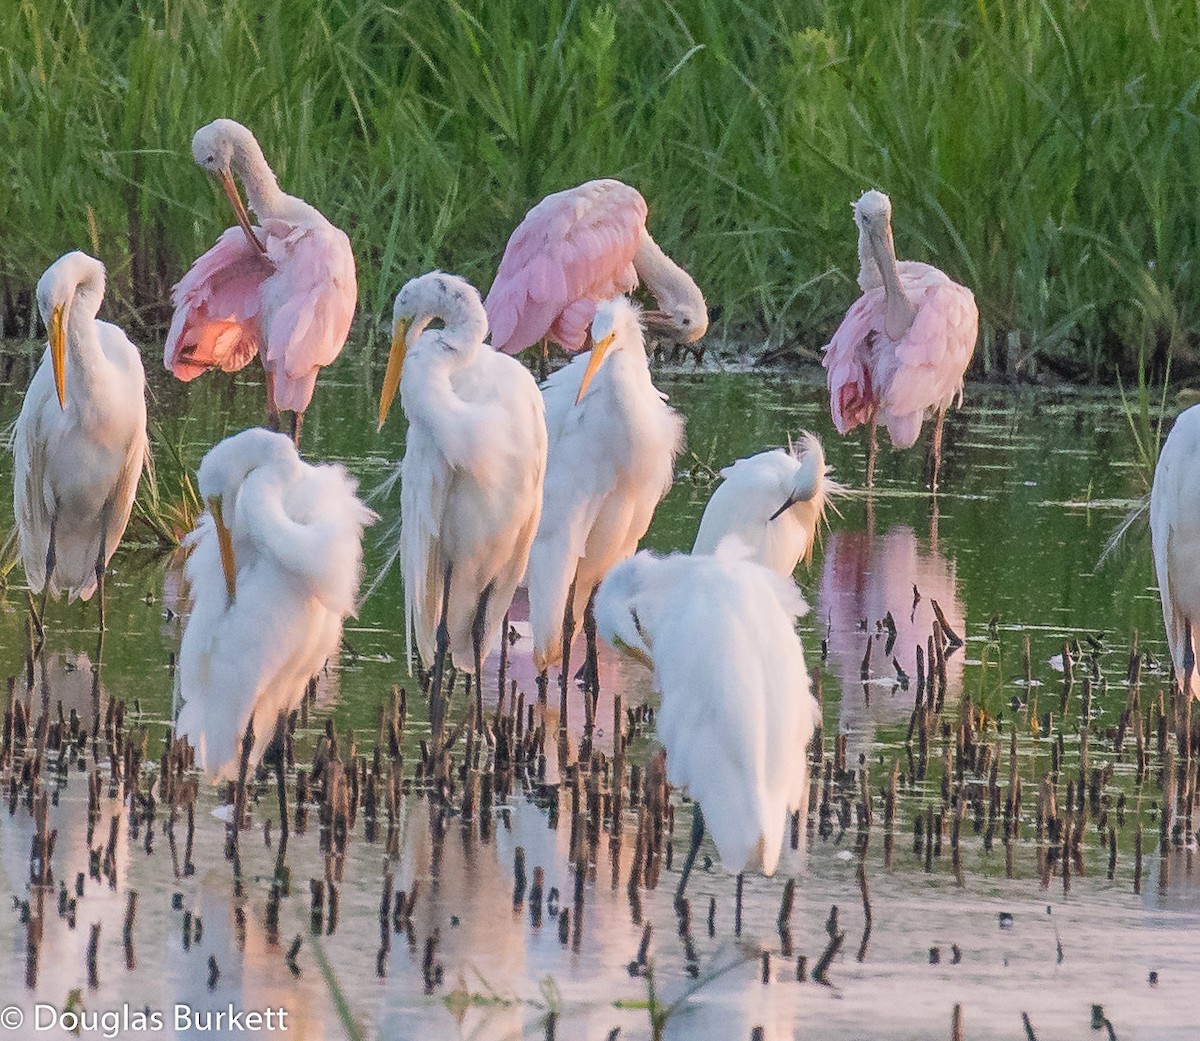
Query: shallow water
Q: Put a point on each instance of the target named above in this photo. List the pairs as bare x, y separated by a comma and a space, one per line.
1032, 486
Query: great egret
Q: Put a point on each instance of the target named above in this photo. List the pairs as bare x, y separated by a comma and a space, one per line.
80, 440
471, 478
274, 571
773, 502
904, 346
576, 249
736, 717
613, 442
1175, 533
285, 290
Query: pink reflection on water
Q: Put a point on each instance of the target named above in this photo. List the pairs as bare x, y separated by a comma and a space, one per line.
865, 576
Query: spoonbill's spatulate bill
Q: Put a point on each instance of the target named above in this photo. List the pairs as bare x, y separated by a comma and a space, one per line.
576, 249
903, 348
1175, 531
284, 289
737, 716
80, 440
274, 571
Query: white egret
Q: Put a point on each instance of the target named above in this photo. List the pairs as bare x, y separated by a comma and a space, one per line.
80, 440
471, 477
1175, 533
774, 502
613, 443
736, 716
274, 571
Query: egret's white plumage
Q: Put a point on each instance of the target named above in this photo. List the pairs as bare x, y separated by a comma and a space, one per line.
1175, 532
80, 440
736, 715
613, 443
296, 533
772, 502
474, 459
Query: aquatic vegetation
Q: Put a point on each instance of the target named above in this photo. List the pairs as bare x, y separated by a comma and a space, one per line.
167, 503
428, 131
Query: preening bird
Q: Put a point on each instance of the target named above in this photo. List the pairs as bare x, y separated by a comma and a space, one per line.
1175, 534
736, 716
471, 477
576, 249
284, 290
274, 571
613, 443
80, 440
772, 502
903, 348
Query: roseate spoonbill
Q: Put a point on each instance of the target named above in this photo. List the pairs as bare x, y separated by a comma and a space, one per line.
904, 346
1175, 534
80, 440
613, 443
274, 570
736, 715
575, 249
773, 502
285, 290
471, 477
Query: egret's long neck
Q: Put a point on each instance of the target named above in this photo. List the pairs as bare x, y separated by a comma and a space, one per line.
82, 338
899, 310
810, 477
262, 189
670, 284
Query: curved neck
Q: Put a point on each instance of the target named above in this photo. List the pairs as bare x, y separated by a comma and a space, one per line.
877, 259
669, 283
262, 189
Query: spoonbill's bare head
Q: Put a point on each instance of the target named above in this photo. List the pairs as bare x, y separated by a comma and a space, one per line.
217, 149
873, 210
215, 145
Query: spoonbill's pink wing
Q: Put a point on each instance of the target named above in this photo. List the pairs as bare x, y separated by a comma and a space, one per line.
308, 305
932, 358
573, 249
217, 308
847, 359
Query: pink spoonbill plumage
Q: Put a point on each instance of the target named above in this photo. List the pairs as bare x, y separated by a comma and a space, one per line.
285, 289
903, 348
575, 249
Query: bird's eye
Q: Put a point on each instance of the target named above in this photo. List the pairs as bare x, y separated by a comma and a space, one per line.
685, 321
211, 159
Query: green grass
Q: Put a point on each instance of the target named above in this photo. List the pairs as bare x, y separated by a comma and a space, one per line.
1045, 153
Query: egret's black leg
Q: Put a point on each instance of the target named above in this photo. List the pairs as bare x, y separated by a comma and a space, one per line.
693, 849
437, 706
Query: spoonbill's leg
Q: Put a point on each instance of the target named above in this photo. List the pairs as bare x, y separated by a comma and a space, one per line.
272, 408
693, 849
872, 450
297, 423
936, 448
